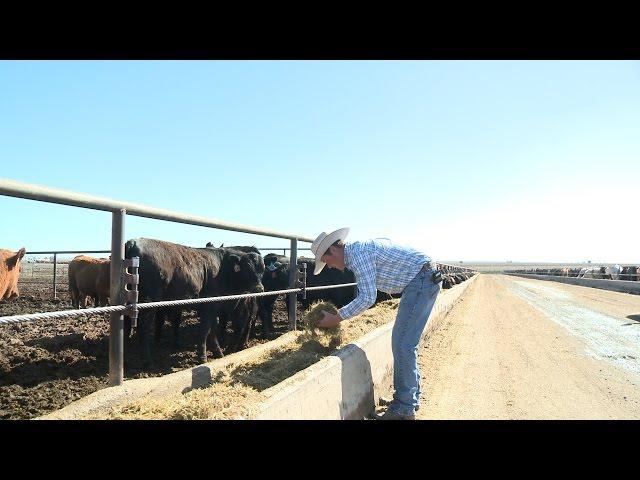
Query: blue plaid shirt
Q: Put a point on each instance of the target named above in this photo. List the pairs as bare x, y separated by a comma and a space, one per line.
379, 265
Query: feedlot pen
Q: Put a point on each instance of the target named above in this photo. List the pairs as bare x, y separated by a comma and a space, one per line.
47, 364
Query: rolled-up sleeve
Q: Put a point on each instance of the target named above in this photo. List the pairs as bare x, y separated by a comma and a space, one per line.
363, 266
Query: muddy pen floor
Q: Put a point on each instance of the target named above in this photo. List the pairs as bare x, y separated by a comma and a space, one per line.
47, 364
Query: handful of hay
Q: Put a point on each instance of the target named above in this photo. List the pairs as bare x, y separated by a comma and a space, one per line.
314, 314
311, 318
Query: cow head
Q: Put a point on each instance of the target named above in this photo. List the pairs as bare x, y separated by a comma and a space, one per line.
276, 273
13, 264
244, 271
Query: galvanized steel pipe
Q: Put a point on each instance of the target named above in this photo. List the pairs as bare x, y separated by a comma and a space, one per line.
13, 188
293, 278
116, 296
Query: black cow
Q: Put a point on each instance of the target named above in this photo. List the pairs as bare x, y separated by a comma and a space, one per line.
169, 271
276, 277
240, 309
447, 282
629, 273
235, 311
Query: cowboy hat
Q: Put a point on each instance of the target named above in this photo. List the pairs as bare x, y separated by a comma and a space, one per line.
322, 243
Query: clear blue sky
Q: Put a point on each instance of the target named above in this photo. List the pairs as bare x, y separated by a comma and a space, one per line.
467, 160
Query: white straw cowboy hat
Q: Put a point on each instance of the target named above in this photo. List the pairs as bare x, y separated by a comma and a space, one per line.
322, 243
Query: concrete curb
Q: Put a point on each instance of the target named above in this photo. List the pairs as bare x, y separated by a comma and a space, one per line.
625, 286
345, 385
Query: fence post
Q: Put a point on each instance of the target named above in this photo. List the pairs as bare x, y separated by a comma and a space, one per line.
293, 280
55, 267
116, 297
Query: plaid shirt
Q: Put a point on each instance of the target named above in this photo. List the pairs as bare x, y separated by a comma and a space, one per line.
379, 265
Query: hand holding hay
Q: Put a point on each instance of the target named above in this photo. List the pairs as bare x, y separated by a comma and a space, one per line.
331, 337
316, 313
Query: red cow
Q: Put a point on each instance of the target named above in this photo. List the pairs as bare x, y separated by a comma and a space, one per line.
9, 272
89, 276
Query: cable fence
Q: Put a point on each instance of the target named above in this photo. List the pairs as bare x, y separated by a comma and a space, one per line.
149, 305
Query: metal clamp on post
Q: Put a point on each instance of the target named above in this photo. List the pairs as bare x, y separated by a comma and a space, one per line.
130, 280
302, 279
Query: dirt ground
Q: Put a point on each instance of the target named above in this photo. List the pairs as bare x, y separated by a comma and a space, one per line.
518, 348
47, 364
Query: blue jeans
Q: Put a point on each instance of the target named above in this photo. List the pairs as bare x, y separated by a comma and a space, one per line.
415, 306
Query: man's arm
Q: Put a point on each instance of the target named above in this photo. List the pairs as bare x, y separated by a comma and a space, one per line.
363, 266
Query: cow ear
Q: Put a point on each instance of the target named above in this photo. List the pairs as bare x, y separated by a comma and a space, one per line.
13, 261
235, 259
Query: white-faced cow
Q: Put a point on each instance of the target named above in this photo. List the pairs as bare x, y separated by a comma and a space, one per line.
592, 272
89, 277
10, 263
169, 271
612, 272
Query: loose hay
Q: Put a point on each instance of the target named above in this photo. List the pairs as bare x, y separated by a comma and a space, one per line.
218, 402
315, 313
310, 319
235, 391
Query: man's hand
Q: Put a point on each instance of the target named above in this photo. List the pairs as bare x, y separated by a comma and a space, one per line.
329, 320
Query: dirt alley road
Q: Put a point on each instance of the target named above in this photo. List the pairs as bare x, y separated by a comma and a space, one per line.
517, 348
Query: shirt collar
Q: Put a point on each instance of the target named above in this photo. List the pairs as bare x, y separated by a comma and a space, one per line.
347, 255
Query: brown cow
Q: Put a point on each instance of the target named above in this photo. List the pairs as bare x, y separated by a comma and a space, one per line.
9, 272
89, 276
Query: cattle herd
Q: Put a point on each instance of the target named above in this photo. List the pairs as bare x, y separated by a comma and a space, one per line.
609, 272
170, 271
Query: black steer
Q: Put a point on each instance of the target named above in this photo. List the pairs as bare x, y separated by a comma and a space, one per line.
169, 271
276, 277
240, 309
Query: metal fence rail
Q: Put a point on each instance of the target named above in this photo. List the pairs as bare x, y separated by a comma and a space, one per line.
635, 275
41, 193
119, 210
54, 273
